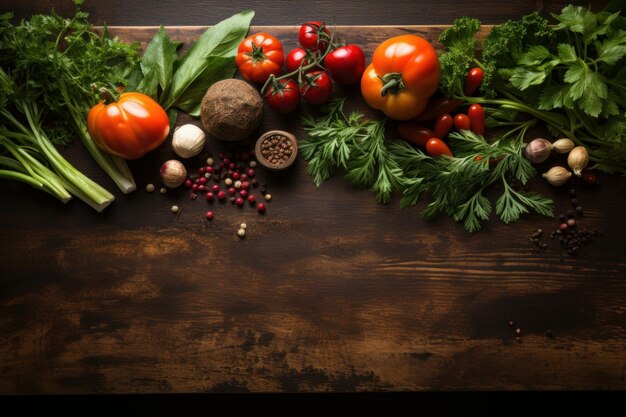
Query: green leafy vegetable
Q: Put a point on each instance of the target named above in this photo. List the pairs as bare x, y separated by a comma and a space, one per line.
570, 76
48, 64
209, 59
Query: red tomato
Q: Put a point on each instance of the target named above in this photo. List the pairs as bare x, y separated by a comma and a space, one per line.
462, 122
297, 57
436, 147
345, 64
129, 127
472, 81
476, 114
283, 95
316, 88
415, 134
314, 36
443, 125
259, 56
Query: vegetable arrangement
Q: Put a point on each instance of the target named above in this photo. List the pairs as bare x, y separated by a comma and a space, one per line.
463, 116
527, 67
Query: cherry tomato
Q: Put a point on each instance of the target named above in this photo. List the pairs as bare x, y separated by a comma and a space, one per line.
472, 81
345, 64
316, 88
476, 114
443, 125
437, 107
297, 57
462, 122
129, 127
283, 95
259, 56
436, 147
314, 36
415, 134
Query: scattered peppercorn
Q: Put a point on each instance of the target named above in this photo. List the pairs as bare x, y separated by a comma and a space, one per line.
209, 215
150, 188
175, 209
163, 190
241, 233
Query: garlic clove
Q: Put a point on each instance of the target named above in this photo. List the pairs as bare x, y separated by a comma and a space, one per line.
563, 145
173, 173
578, 159
538, 150
557, 176
188, 140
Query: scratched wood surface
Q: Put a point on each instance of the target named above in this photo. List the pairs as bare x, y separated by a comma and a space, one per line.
328, 292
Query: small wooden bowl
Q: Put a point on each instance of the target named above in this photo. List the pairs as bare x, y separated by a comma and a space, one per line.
283, 137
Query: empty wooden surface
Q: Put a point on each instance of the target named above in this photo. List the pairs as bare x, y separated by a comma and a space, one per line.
328, 292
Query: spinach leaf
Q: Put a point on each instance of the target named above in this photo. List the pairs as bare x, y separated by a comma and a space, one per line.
210, 59
158, 61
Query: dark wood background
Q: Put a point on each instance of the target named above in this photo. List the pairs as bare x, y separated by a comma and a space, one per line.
328, 292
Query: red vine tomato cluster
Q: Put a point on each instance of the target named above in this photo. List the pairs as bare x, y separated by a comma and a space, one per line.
311, 68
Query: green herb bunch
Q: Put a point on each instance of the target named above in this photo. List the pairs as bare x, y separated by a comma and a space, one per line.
457, 185
572, 76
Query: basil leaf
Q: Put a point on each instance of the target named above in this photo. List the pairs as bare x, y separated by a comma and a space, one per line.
159, 58
204, 63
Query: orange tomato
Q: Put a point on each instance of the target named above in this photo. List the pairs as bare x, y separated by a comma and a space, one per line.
404, 73
130, 127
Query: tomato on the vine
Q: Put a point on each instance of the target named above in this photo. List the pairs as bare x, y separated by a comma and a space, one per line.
314, 36
283, 95
345, 64
259, 56
316, 88
297, 57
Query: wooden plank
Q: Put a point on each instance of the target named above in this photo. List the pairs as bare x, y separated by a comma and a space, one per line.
329, 291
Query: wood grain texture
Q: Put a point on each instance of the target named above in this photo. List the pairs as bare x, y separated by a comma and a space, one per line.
328, 292
288, 12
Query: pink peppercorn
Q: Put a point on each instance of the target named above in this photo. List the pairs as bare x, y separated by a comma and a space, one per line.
245, 185
210, 196
201, 187
239, 201
194, 187
201, 170
251, 199
209, 215
225, 161
235, 176
209, 169
243, 177
250, 172
202, 180
232, 190
215, 188
188, 183
243, 193
221, 195
231, 165
260, 207
563, 226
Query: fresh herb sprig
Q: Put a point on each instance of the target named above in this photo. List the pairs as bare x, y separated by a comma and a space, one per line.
355, 144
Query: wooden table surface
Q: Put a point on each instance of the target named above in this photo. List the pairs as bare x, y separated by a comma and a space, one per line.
328, 292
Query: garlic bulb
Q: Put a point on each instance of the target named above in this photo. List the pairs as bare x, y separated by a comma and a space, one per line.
557, 176
188, 141
173, 173
578, 159
563, 145
538, 150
